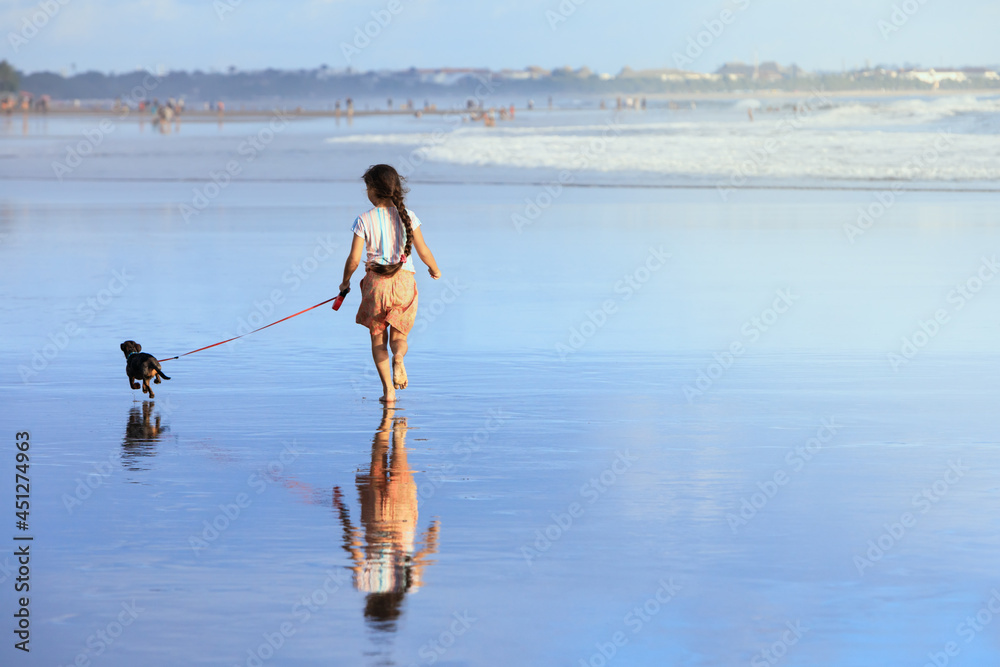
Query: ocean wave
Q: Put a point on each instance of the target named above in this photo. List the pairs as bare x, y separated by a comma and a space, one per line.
715, 149
905, 112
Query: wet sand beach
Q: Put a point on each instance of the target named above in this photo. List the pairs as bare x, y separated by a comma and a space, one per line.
644, 427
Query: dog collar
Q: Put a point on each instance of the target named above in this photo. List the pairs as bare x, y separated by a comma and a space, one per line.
130, 354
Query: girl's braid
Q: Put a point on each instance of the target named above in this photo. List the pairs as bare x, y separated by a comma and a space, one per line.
397, 201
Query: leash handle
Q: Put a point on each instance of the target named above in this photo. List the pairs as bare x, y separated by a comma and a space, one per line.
340, 298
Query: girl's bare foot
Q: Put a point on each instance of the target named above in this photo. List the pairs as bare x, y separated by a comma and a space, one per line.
399, 380
389, 398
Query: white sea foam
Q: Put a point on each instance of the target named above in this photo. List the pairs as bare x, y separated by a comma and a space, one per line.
951, 139
906, 112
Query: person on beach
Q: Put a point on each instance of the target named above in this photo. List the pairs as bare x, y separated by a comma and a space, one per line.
385, 236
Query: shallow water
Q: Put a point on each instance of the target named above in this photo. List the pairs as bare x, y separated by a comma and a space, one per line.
944, 142
579, 465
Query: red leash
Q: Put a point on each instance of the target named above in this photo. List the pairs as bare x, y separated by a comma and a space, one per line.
339, 298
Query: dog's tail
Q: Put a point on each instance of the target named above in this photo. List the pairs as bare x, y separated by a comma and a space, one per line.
159, 369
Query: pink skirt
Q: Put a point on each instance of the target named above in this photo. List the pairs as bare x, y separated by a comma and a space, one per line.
388, 301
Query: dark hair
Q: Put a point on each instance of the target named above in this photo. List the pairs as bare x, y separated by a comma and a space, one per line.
386, 183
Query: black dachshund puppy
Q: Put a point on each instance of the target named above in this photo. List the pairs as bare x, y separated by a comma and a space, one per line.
141, 366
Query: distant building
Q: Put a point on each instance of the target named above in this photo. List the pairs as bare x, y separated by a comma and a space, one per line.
765, 71
981, 73
736, 70
667, 74
528, 73
772, 71
447, 76
934, 76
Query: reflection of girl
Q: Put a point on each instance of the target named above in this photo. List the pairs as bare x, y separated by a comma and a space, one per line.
388, 562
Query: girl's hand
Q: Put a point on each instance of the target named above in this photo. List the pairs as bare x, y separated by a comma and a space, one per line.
435, 274
345, 285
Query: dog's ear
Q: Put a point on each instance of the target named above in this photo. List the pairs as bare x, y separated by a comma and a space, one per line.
138, 348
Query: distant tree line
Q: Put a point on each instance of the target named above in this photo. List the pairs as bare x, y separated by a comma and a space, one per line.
324, 85
10, 80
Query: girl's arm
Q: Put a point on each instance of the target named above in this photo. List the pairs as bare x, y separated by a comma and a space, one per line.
425, 253
353, 261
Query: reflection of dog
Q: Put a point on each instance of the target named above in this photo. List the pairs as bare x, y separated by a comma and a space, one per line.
141, 366
142, 426
142, 432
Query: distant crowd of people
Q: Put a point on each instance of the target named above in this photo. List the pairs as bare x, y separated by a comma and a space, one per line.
161, 112
25, 102
169, 112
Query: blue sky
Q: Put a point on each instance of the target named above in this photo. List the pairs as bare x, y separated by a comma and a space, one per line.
119, 35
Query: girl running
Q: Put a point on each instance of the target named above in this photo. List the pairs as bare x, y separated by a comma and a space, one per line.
385, 236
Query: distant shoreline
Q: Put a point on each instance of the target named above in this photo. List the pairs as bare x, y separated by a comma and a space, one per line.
237, 115
774, 93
